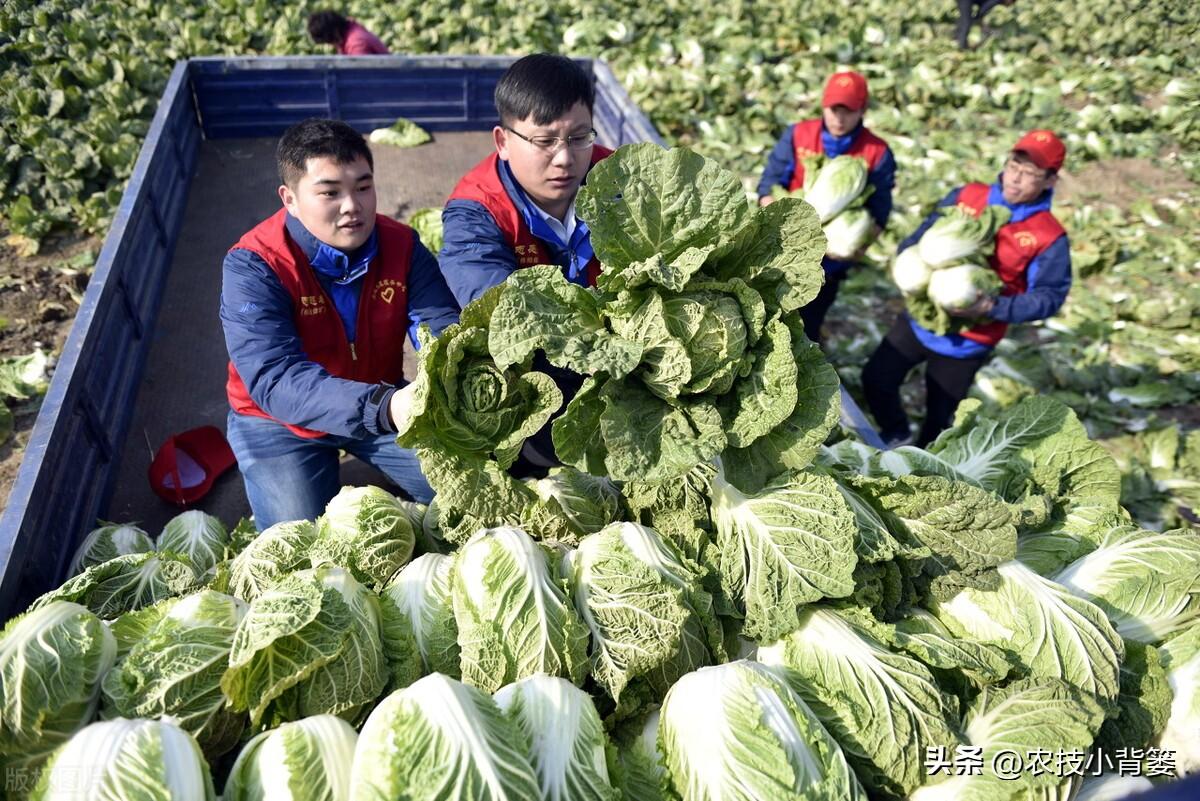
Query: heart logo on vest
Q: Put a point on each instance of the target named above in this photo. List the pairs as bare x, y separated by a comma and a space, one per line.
386, 289
1026, 240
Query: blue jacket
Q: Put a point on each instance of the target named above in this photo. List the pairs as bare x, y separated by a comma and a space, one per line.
1048, 279
781, 164
476, 257
256, 315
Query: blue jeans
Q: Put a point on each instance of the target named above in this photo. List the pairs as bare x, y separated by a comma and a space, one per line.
292, 478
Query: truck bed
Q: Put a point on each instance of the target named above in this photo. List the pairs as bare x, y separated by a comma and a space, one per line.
145, 357
184, 383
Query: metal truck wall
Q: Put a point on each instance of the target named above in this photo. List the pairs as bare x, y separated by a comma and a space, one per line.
65, 476
252, 97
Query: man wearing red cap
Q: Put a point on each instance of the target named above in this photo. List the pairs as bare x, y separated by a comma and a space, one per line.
1032, 258
838, 131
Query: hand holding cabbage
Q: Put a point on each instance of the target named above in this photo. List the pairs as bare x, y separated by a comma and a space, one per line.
687, 344
945, 277
837, 189
467, 417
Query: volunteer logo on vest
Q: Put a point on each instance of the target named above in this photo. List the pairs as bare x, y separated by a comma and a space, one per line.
528, 255
386, 289
312, 304
1026, 240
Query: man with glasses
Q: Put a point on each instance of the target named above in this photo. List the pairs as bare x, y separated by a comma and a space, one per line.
1032, 258
516, 208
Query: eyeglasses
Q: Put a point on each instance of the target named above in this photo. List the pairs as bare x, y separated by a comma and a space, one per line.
552, 144
1025, 173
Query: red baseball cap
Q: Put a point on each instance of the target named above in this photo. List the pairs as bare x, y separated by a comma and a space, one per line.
187, 464
1043, 148
847, 89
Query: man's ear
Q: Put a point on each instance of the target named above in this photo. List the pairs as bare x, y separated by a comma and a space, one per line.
288, 198
500, 139
1051, 180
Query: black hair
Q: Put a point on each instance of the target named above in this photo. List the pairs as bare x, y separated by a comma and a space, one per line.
327, 27
316, 138
542, 87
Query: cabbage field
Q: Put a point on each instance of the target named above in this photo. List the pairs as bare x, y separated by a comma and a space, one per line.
721, 594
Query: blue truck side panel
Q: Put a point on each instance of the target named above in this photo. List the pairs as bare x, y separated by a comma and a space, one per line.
254, 97
66, 475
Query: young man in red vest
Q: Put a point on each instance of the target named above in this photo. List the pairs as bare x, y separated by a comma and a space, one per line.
1033, 260
516, 208
315, 303
838, 131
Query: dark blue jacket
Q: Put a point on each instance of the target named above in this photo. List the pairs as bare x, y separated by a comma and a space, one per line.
1048, 279
256, 315
781, 164
475, 255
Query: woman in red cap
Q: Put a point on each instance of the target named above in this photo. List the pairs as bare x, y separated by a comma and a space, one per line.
1032, 258
838, 131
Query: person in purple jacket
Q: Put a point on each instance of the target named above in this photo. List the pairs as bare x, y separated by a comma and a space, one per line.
348, 36
315, 303
1033, 260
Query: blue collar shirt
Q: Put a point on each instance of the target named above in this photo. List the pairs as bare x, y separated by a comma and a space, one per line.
340, 273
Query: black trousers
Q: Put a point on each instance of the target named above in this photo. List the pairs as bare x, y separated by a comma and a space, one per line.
947, 381
971, 12
814, 313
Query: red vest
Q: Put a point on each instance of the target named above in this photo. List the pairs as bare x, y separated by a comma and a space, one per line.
806, 142
377, 354
482, 185
1017, 244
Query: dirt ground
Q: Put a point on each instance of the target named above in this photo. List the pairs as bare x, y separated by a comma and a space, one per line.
39, 296
1119, 182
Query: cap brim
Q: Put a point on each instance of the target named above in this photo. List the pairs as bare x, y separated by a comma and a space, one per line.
1034, 157
841, 101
